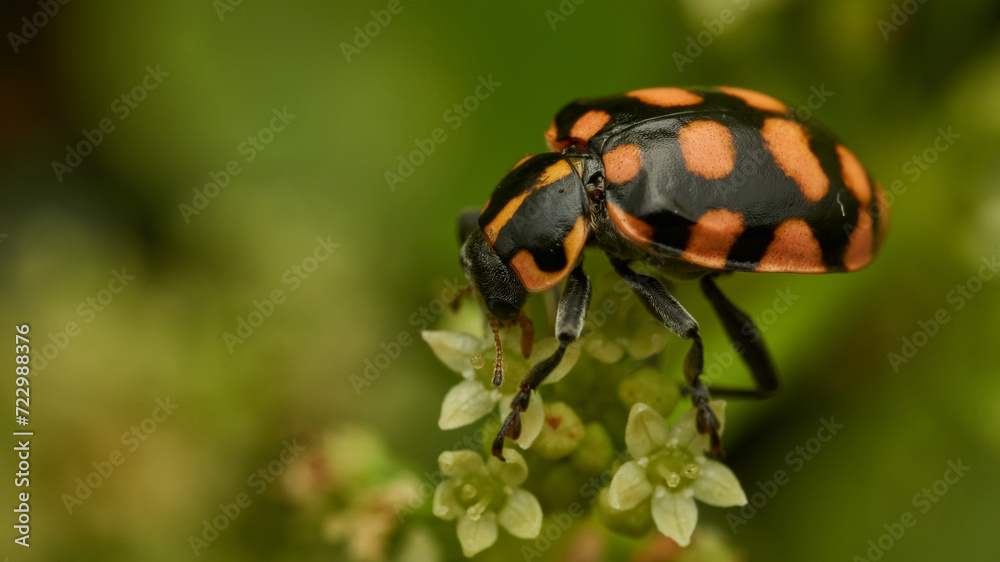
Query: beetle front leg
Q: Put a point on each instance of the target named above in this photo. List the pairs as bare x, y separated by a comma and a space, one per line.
569, 323
743, 331
666, 309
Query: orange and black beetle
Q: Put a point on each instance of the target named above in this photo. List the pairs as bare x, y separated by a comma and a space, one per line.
691, 182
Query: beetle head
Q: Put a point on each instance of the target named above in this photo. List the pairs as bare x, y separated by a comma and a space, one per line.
502, 292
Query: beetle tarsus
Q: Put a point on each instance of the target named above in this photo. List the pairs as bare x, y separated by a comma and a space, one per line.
511, 428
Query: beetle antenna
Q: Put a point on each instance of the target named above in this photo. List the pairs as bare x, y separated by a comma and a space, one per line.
498, 365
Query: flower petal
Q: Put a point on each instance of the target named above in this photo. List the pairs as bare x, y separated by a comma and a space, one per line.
629, 486
513, 471
645, 429
456, 463
477, 536
445, 505
675, 515
531, 419
465, 403
454, 349
717, 485
547, 347
685, 431
522, 515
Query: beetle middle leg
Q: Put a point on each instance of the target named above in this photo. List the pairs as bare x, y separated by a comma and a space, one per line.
666, 309
569, 323
748, 342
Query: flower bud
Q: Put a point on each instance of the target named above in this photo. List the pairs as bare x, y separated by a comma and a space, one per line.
561, 433
595, 451
604, 349
649, 386
647, 340
634, 522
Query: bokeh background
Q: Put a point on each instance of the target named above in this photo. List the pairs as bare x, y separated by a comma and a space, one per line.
219, 72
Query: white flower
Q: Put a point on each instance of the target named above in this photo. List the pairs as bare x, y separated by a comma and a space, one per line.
481, 495
670, 466
470, 399
475, 396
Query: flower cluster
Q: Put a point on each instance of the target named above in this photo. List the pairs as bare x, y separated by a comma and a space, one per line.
578, 434
474, 396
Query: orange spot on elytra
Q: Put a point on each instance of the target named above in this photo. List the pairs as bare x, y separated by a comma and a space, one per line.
522, 161
552, 173
666, 97
623, 163
492, 230
534, 279
789, 144
707, 148
550, 138
756, 100
794, 248
589, 124
854, 175
635, 229
859, 246
712, 237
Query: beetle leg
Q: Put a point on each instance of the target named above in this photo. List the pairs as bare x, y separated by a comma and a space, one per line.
666, 309
744, 333
457, 302
569, 323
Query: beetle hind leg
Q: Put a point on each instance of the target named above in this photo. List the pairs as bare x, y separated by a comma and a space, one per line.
747, 341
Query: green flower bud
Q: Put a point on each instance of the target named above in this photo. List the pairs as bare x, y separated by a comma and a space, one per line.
635, 522
595, 451
561, 433
647, 340
651, 387
560, 486
603, 349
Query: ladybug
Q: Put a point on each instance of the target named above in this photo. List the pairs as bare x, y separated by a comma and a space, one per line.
693, 183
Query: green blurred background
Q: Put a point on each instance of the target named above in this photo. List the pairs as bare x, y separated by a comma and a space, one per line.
225, 69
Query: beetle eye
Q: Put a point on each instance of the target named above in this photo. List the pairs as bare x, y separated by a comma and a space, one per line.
502, 310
